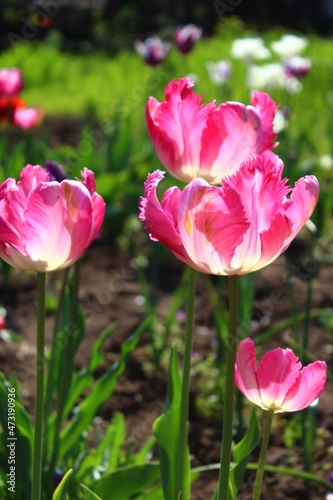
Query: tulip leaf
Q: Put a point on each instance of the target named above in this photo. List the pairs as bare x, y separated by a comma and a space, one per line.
20, 429
84, 378
128, 481
100, 393
109, 451
78, 491
60, 492
241, 454
166, 428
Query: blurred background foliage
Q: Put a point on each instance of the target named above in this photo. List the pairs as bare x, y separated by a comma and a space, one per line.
80, 66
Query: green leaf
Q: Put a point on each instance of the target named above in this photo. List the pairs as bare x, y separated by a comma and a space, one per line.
78, 491
141, 455
166, 428
125, 482
60, 492
84, 378
110, 449
71, 489
23, 434
241, 454
100, 393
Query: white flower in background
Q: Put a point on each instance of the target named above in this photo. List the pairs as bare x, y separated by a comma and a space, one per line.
326, 161
272, 76
193, 77
289, 46
280, 121
297, 66
249, 49
218, 72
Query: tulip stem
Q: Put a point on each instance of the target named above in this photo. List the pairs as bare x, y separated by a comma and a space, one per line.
65, 375
262, 456
39, 405
50, 382
181, 492
229, 390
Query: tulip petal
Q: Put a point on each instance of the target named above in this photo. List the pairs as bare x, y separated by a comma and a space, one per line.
57, 236
175, 126
303, 202
98, 203
262, 193
276, 373
159, 220
245, 376
233, 137
307, 388
267, 109
211, 226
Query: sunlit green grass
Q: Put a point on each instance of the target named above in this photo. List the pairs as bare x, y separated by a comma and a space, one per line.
92, 85
79, 84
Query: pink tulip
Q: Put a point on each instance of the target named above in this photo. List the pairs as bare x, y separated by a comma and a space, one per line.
234, 229
46, 225
27, 117
11, 81
201, 140
279, 382
186, 37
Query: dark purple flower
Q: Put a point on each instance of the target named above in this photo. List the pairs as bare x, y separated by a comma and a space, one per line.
55, 171
297, 66
330, 477
152, 50
186, 37
58, 476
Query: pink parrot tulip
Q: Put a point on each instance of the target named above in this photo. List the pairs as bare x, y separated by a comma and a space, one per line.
47, 225
11, 82
279, 382
201, 140
237, 228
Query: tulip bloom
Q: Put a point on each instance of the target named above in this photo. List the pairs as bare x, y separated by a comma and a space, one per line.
272, 76
152, 50
46, 225
297, 66
234, 229
218, 72
186, 37
11, 82
26, 118
279, 382
194, 140
249, 49
8, 106
289, 46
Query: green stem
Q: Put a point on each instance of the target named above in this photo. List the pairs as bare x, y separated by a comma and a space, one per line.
66, 374
184, 405
39, 405
229, 390
50, 381
262, 456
